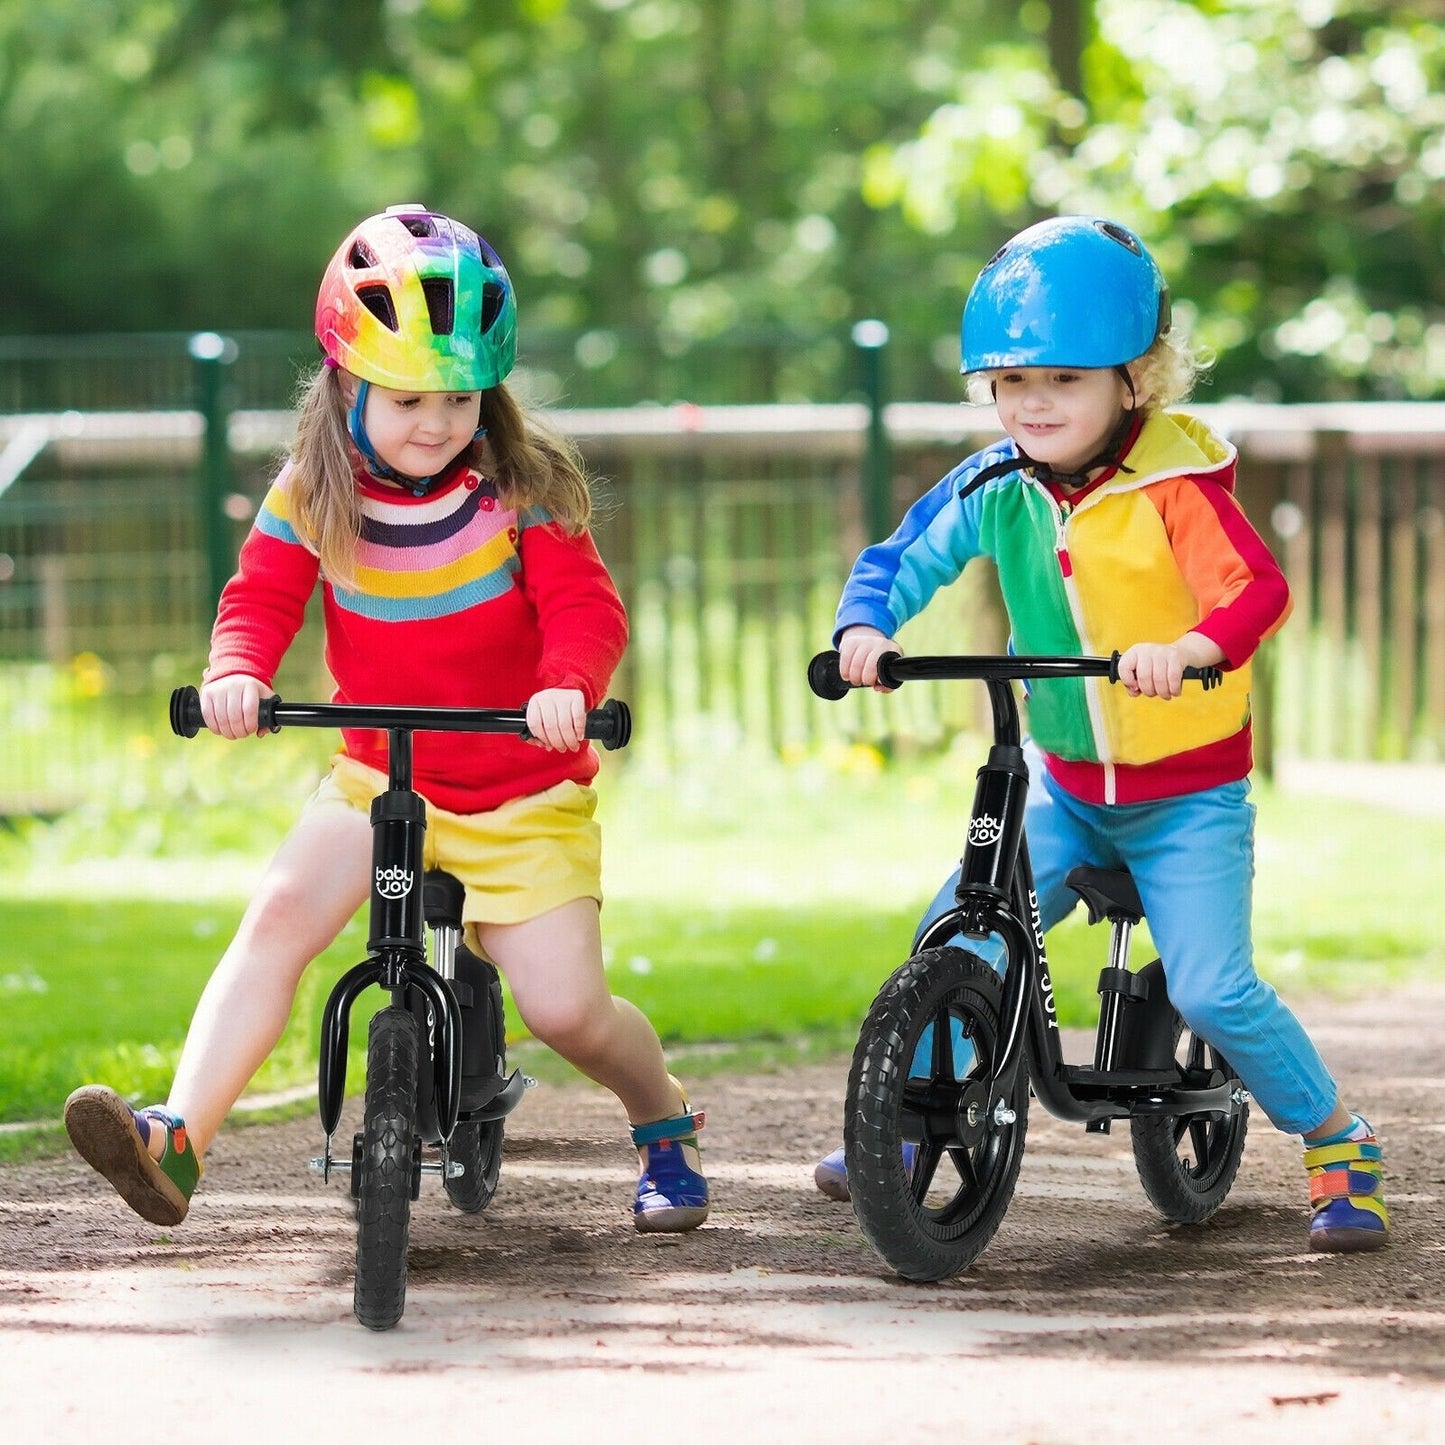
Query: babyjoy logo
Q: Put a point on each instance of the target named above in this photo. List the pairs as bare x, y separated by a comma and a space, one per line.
393, 882
984, 831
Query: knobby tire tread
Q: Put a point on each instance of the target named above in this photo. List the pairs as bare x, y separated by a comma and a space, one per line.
921, 1241
1190, 1191
389, 1150
478, 1149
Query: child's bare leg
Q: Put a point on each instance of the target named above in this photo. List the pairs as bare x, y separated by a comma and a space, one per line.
313, 886
554, 966
1337, 1123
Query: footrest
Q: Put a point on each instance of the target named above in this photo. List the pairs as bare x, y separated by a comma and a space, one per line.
1120, 1078
502, 1101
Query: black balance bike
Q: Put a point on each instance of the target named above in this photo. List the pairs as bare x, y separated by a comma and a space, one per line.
961, 1100
436, 1073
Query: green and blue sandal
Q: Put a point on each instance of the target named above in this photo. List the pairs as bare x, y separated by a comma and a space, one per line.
672, 1194
114, 1140
1347, 1201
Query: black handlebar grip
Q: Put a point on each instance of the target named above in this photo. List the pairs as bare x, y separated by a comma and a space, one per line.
610, 724
1208, 677
186, 719
825, 679
885, 669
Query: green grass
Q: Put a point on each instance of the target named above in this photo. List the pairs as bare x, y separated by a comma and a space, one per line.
753, 909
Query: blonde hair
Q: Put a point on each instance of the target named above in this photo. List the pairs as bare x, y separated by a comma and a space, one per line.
531, 465
1167, 372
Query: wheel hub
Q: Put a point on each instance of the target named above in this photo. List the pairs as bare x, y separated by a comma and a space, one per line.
972, 1115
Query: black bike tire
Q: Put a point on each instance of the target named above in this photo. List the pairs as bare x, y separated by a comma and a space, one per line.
919, 1241
477, 1147
390, 1154
1190, 1191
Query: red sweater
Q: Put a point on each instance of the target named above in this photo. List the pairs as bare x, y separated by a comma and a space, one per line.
458, 602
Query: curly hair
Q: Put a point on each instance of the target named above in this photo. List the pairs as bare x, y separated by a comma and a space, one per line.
1169, 370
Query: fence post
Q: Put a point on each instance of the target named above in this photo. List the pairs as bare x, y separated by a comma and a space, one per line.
871, 337
210, 353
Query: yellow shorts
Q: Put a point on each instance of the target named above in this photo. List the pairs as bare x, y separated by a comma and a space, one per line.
516, 862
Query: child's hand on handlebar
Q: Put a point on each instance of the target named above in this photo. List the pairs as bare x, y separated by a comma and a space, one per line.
557, 718
231, 705
1156, 669
858, 652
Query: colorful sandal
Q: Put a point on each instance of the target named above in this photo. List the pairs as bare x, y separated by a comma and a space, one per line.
672, 1195
112, 1137
1347, 1194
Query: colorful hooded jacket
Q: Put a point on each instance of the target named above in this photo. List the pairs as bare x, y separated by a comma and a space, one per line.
1159, 549
459, 601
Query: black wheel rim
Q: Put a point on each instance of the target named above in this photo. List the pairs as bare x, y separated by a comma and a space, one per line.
960, 1157
1202, 1141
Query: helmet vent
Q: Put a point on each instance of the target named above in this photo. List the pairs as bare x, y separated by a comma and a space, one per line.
419, 225
494, 297
440, 304
362, 257
377, 300
1118, 233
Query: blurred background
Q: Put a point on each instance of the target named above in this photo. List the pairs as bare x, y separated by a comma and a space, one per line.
699, 202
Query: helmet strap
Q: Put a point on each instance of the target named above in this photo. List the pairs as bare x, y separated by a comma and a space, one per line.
1112, 455
356, 426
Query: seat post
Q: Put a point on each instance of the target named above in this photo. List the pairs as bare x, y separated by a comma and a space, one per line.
1117, 986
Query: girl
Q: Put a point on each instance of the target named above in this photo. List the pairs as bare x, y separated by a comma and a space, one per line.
1113, 527
448, 530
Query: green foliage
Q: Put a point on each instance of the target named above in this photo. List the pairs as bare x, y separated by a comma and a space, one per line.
660, 174
104, 991
1283, 160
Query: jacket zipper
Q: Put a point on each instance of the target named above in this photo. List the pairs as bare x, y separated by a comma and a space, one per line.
1092, 686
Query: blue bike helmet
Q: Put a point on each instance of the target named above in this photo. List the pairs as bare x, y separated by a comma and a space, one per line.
1073, 291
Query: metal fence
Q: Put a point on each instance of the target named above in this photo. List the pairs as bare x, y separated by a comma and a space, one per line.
730, 530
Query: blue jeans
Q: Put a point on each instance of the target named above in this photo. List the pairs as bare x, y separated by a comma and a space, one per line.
1192, 859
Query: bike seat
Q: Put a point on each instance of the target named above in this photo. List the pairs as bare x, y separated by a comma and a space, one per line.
1109, 893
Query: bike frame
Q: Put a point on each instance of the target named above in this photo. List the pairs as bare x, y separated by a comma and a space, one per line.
396, 948
996, 895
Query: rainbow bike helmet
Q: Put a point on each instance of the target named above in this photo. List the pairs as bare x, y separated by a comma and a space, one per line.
415, 301
1074, 291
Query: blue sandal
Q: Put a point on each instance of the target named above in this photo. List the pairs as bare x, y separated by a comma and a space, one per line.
672, 1194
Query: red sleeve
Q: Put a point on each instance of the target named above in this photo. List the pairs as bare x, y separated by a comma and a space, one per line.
1242, 593
263, 605
581, 617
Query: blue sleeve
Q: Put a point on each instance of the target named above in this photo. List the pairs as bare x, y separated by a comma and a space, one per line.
939, 535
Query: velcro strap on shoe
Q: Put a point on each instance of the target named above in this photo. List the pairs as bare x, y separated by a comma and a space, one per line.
178, 1161
1352, 1151
1349, 1184
680, 1126
1328, 1213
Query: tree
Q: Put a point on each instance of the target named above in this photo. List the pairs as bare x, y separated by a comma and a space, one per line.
1282, 158
664, 176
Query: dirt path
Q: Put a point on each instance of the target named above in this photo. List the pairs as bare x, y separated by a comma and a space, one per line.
549, 1319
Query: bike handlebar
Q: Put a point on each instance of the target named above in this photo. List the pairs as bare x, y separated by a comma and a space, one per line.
610, 724
894, 670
